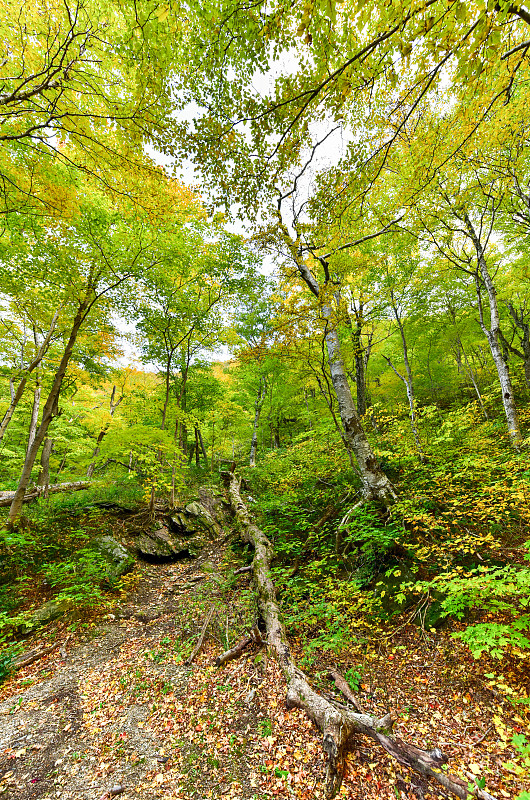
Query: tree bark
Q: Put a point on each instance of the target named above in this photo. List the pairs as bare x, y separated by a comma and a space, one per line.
474, 382
407, 379
103, 432
337, 723
204, 453
49, 410
376, 485
258, 405
34, 414
17, 394
44, 475
518, 322
493, 336
197, 456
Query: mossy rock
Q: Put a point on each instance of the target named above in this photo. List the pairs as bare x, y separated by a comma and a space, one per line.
118, 559
53, 609
193, 519
161, 545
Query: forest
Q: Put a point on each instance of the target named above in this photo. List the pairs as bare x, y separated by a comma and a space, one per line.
264, 399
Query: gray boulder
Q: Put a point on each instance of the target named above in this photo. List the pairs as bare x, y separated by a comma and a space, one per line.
161, 545
118, 559
193, 519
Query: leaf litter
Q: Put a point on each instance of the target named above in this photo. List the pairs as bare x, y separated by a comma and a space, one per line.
123, 715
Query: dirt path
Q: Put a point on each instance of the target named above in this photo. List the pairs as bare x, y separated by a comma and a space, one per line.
123, 710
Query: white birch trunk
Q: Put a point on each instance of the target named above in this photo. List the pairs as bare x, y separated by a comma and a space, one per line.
492, 335
376, 485
34, 414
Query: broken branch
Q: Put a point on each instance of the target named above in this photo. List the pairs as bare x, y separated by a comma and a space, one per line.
234, 651
344, 687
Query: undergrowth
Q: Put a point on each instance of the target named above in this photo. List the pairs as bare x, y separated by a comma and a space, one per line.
48, 555
461, 518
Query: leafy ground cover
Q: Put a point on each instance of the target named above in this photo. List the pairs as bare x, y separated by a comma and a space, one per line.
122, 708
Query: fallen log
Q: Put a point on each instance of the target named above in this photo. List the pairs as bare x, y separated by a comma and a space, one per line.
30, 658
6, 498
337, 723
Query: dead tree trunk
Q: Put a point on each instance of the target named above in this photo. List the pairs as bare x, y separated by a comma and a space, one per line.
6, 498
337, 723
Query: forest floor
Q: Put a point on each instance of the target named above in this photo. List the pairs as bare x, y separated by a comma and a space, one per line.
123, 710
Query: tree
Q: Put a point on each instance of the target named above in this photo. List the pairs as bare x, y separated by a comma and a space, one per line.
83, 85
91, 257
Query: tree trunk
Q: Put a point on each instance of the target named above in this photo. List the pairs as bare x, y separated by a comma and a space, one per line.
337, 722
474, 382
204, 453
44, 475
166, 396
6, 498
407, 380
309, 413
518, 322
197, 456
48, 412
258, 405
376, 485
16, 395
493, 337
360, 383
34, 414
103, 432
15, 398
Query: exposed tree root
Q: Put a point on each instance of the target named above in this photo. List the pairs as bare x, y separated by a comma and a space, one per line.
234, 652
337, 723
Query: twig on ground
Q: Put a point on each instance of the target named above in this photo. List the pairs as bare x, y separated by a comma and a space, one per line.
243, 570
199, 644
